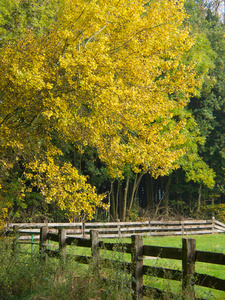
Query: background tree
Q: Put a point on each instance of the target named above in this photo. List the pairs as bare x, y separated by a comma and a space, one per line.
110, 76
209, 111
188, 197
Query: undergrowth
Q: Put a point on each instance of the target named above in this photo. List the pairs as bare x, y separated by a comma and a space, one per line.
33, 277
38, 277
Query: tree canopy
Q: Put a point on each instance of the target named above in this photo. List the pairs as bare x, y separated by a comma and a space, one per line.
107, 74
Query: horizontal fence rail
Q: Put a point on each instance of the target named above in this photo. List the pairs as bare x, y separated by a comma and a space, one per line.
187, 254
124, 229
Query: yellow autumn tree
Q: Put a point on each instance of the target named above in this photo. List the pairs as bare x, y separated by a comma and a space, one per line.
108, 74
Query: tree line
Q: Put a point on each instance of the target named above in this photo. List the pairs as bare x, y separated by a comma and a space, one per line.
111, 110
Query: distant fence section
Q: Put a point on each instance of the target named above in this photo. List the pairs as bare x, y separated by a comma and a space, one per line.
123, 229
188, 254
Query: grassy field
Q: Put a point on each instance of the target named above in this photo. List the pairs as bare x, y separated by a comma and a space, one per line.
212, 243
37, 277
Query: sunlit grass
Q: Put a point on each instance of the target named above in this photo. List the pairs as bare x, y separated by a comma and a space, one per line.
211, 243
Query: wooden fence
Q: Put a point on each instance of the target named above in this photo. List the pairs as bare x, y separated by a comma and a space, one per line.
187, 254
126, 229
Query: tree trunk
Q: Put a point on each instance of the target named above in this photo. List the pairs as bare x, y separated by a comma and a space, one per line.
117, 200
125, 200
199, 198
166, 196
149, 191
135, 187
112, 202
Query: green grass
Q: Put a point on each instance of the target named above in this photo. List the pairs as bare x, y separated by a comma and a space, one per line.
211, 243
36, 277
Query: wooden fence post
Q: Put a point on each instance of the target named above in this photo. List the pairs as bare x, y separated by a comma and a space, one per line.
16, 239
32, 244
118, 228
149, 224
43, 238
62, 242
213, 224
182, 227
137, 265
188, 265
95, 251
83, 229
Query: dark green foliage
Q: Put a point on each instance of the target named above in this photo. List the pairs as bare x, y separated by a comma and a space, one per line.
208, 109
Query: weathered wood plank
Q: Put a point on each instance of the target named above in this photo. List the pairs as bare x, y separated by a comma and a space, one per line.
150, 228
219, 228
30, 231
29, 243
108, 263
210, 281
30, 225
27, 225
197, 221
123, 247
118, 236
220, 224
53, 237
106, 229
102, 224
74, 230
116, 223
165, 233
191, 232
29, 237
156, 223
163, 252
210, 257
64, 224
188, 227
162, 273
